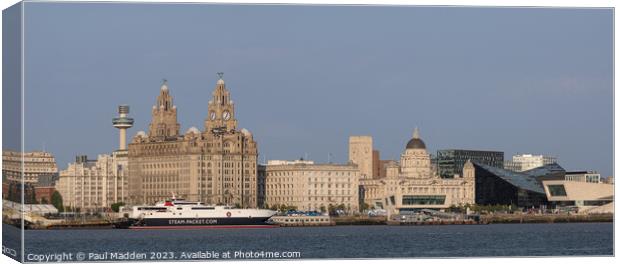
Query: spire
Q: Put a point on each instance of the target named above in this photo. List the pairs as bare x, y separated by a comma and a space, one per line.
220, 80
164, 115
164, 85
416, 133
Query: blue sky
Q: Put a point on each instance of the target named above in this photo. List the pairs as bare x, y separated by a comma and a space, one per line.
304, 78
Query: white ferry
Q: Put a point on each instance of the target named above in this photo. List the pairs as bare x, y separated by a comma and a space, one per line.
182, 213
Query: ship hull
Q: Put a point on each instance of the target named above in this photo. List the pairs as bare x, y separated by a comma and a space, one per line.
228, 221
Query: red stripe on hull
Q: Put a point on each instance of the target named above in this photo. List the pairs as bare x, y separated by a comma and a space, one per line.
203, 227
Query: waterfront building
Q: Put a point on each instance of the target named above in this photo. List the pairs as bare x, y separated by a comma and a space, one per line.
309, 186
583, 176
214, 166
522, 189
37, 166
39, 175
412, 184
582, 195
523, 162
94, 185
361, 153
450, 162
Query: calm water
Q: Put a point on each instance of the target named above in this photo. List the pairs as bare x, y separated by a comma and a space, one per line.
343, 241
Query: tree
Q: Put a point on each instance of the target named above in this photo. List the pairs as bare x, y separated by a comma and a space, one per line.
57, 201
365, 207
116, 206
44, 201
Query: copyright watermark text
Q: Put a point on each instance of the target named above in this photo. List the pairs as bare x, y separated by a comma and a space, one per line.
152, 255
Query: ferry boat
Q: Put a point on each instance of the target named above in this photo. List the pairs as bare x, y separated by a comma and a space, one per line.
179, 213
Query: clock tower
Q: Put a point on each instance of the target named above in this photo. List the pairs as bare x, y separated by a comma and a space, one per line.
221, 109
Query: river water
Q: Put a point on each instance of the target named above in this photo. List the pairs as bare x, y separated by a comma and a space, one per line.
325, 242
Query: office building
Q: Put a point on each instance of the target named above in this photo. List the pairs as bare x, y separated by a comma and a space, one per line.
523, 162
450, 162
37, 165
309, 186
411, 184
216, 165
94, 185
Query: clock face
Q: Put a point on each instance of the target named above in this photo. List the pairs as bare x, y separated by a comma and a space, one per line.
212, 115
226, 115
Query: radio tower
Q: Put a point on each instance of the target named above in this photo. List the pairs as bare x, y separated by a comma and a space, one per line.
122, 122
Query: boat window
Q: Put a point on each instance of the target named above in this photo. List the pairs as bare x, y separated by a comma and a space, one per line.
203, 208
151, 208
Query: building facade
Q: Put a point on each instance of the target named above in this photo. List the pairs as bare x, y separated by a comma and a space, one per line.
216, 166
581, 195
412, 184
309, 186
583, 176
450, 162
361, 153
498, 186
94, 185
523, 162
38, 166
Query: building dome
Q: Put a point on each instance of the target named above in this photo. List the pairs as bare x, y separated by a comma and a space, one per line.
246, 132
193, 130
141, 134
416, 142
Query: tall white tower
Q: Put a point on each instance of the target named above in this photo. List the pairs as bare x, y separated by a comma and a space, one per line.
122, 122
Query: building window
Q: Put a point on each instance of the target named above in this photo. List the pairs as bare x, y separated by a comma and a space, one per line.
557, 190
423, 199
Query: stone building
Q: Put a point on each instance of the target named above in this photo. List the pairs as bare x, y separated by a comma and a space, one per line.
94, 185
215, 166
412, 184
39, 175
309, 186
450, 162
361, 153
38, 166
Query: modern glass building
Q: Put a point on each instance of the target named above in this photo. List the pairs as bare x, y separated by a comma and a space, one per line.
450, 162
498, 186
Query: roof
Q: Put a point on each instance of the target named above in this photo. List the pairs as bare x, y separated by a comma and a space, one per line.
520, 180
545, 170
35, 208
416, 142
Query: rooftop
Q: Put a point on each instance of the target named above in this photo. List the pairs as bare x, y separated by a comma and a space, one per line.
518, 179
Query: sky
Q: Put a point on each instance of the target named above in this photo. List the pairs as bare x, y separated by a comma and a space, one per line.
305, 78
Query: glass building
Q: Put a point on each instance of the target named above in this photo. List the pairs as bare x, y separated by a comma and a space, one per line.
498, 186
450, 162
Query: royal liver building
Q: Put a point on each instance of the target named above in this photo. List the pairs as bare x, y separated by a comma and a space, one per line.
215, 166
